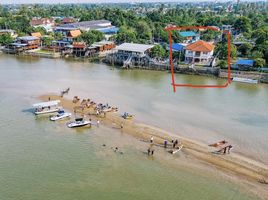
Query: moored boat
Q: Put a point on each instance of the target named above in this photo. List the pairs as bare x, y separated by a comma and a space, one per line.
46, 107
61, 115
78, 123
127, 116
245, 80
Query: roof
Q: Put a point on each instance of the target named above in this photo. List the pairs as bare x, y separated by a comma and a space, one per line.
245, 62
110, 30
102, 43
36, 34
94, 24
187, 33
200, 45
28, 38
68, 20
40, 21
75, 33
18, 44
177, 47
7, 31
46, 104
141, 48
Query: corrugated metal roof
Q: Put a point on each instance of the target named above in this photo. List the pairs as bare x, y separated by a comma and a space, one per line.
176, 47
28, 38
245, 62
133, 47
109, 30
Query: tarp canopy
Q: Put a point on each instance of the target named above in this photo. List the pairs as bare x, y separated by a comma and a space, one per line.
245, 62
46, 104
176, 47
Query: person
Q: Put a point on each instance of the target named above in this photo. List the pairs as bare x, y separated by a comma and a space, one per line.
121, 126
148, 151
97, 112
98, 123
224, 150
174, 144
229, 148
48, 98
165, 143
89, 119
152, 140
152, 152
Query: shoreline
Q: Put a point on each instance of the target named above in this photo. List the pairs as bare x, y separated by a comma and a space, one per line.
235, 164
221, 73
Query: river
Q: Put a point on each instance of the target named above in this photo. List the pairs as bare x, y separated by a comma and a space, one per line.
44, 160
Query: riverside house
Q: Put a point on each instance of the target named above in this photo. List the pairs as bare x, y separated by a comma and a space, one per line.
45, 23
200, 52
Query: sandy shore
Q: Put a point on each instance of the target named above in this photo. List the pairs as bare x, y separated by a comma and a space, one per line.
232, 163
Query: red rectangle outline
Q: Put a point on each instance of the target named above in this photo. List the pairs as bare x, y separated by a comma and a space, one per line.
172, 28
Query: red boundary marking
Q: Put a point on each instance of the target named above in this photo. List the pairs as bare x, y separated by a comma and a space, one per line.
172, 28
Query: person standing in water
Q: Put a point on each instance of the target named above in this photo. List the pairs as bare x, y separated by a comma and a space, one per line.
152, 140
165, 143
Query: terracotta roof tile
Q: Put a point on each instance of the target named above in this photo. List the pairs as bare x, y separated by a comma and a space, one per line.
75, 33
200, 45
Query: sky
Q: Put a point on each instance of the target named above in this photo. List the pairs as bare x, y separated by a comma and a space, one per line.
90, 1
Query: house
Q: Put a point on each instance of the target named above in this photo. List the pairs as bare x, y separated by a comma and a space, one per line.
103, 45
70, 34
45, 23
36, 34
9, 31
199, 52
68, 20
31, 42
189, 36
134, 49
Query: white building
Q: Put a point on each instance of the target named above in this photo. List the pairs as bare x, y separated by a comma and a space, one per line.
199, 52
134, 49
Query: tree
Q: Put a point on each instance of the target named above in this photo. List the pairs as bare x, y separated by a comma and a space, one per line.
90, 37
5, 39
259, 62
158, 52
144, 31
126, 34
242, 24
222, 51
245, 49
47, 41
223, 64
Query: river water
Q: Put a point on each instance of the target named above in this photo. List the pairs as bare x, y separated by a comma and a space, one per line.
44, 160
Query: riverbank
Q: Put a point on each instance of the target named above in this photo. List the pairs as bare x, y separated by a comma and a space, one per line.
234, 164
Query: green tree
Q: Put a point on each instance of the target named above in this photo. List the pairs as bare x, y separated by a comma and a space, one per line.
47, 41
242, 24
245, 49
222, 51
126, 34
259, 62
90, 37
144, 31
158, 52
5, 39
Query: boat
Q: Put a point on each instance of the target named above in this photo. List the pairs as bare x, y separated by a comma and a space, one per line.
127, 116
245, 80
218, 143
61, 115
176, 150
46, 107
78, 123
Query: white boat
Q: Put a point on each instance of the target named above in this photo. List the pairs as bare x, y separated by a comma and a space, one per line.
46, 107
61, 115
245, 80
78, 123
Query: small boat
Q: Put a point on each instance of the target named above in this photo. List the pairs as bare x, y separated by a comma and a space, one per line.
127, 116
46, 107
218, 143
245, 80
176, 150
78, 123
61, 115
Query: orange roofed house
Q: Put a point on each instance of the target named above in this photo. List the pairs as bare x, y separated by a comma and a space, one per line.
199, 52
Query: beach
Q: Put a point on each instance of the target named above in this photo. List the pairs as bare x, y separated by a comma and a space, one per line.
234, 164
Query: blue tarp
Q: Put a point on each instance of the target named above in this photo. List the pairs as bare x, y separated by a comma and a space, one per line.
245, 62
176, 47
187, 34
109, 30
